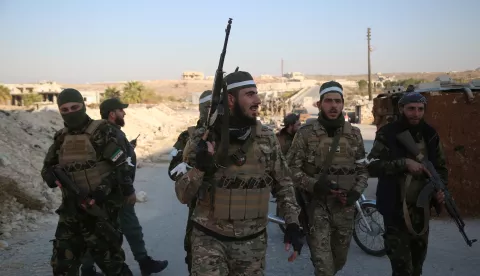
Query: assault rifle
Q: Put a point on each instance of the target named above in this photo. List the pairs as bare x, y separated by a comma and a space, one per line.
107, 230
435, 183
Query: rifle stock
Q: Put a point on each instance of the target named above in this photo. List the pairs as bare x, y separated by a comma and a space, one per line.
435, 183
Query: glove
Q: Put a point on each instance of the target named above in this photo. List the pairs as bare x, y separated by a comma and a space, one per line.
321, 188
203, 159
293, 236
352, 196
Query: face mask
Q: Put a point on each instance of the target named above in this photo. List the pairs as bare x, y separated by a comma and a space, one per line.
76, 119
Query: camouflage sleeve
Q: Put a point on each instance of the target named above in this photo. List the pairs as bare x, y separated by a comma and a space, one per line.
51, 159
115, 151
360, 163
379, 159
296, 155
178, 157
186, 187
284, 188
181, 140
442, 164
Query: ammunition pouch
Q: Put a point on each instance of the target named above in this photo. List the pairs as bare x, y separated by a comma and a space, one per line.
310, 169
239, 199
88, 175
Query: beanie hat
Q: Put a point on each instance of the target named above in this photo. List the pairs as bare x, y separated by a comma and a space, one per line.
239, 80
206, 96
412, 97
331, 86
290, 119
69, 95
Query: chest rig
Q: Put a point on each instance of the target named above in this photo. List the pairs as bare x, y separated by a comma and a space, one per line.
241, 190
79, 158
342, 169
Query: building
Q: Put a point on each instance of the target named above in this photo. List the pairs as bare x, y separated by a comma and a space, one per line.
49, 91
191, 75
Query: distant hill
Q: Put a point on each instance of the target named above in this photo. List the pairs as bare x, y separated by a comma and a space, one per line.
428, 76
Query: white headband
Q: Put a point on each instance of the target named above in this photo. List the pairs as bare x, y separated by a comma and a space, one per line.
206, 99
238, 84
330, 89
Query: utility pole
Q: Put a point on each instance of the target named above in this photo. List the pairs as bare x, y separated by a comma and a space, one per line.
369, 69
281, 70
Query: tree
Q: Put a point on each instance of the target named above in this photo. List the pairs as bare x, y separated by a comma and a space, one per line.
111, 92
5, 96
31, 98
362, 85
136, 92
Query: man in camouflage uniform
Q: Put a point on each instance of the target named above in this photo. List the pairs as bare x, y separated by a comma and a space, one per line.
87, 153
178, 166
400, 180
291, 123
230, 217
112, 110
331, 187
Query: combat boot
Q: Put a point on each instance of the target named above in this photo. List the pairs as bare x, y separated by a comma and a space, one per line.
149, 266
91, 271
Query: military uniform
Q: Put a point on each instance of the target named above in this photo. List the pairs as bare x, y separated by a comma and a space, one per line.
230, 217
330, 223
180, 158
88, 153
129, 223
406, 225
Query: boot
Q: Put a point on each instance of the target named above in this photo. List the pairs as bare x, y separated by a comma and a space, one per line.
149, 266
90, 271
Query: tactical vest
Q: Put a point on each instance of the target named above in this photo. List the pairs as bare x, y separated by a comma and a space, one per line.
79, 158
243, 192
416, 184
342, 170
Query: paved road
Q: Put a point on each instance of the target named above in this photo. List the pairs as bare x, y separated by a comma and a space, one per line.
163, 220
312, 92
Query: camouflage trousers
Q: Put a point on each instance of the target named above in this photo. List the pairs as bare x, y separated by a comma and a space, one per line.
406, 251
132, 230
330, 240
211, 257
187, 242
75, 234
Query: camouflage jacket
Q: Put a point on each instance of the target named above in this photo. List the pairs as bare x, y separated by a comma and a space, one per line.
285, 139
117, 183
188, 185
304, 149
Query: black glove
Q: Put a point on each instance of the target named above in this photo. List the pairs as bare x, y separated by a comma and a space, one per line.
293, 236
321, 188
203, 159
352, 196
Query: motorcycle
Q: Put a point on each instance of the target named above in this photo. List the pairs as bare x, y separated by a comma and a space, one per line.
364, 223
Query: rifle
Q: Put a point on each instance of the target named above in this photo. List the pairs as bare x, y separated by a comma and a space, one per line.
434, 183
134, 142
108, 231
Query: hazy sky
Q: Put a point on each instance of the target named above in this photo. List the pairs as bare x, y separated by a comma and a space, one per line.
111, 40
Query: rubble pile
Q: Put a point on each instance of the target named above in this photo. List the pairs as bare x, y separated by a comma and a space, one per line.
24, 140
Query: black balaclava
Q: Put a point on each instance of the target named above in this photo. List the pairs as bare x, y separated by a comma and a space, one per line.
73, 120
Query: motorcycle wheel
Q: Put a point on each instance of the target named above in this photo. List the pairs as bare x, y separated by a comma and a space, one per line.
358, 219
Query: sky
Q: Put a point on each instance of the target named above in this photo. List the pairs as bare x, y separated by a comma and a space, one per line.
85, 41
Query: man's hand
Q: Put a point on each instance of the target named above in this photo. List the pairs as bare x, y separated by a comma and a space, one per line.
440, 197
341, 196
293, 236
416, 168
131, 199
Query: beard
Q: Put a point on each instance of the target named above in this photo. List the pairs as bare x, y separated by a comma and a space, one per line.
239, 118
120, 121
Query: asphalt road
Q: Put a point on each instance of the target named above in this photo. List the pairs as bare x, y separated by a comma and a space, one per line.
314, 93
163, 219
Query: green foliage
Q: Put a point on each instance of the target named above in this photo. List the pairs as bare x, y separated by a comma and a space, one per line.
288, 94
362, 85
5, 96
111, 92
31, 98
